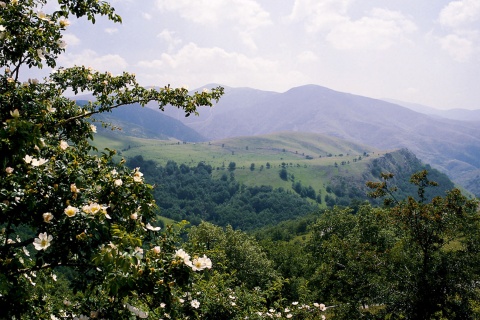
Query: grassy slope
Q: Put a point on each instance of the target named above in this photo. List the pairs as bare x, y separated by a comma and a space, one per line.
289, 148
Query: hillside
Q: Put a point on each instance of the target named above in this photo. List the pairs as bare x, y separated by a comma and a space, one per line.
137, 121
333, 168
451, 146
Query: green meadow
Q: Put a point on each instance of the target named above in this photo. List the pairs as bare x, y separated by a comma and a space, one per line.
312, 159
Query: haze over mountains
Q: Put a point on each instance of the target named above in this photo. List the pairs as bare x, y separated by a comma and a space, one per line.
450, 145
453, 146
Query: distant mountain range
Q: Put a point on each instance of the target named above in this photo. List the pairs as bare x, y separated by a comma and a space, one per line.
444, 139
454, 114
452, 146
142, 122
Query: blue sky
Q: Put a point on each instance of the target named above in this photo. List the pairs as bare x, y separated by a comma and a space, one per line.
422, 51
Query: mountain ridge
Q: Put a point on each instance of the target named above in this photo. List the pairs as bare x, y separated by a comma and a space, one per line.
452, 146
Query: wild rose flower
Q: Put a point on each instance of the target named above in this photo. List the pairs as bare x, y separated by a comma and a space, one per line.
47, 217
64, 23
152, 228
195, 304
71, 211
38, 162
43, 241
15, 113
181, 254
137, 175
63, 145
42, 16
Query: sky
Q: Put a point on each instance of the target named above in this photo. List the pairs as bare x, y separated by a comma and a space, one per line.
420, 51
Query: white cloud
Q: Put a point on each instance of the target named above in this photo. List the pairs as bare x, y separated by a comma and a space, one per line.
380, 30
245, 13
109, 62
111, 30
170, 38
147, 16
459, 13
318, 15
307, 57
71, 39
215, 65
461, 49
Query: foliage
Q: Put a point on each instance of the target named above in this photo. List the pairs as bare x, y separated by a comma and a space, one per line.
192, 194
412, 259
64, 211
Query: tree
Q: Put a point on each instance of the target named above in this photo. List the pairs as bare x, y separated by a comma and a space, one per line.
65, 211
437, 262
232, 166
283, 174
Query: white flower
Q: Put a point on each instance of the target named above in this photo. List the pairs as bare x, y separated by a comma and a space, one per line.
156, 249
295, 303
93, 128
51, 109
134, 216
42, 16
150, 227
162, 305
63, 145
199, 264
71, 211
47, 217
27, 253
43, 241
40, 54
61, 44
27, 159
289, 316
2, 28
73, 188
89, 77
63, 23
138, 252
87, 209
118, 182
137, 175
195, 303
9, 170
180, 253
113, 172
3, 4
15, 113
38, 162
54, 277
322, 307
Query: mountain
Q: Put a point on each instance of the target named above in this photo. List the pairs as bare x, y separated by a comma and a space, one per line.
454, 114
138, 121
452, 146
